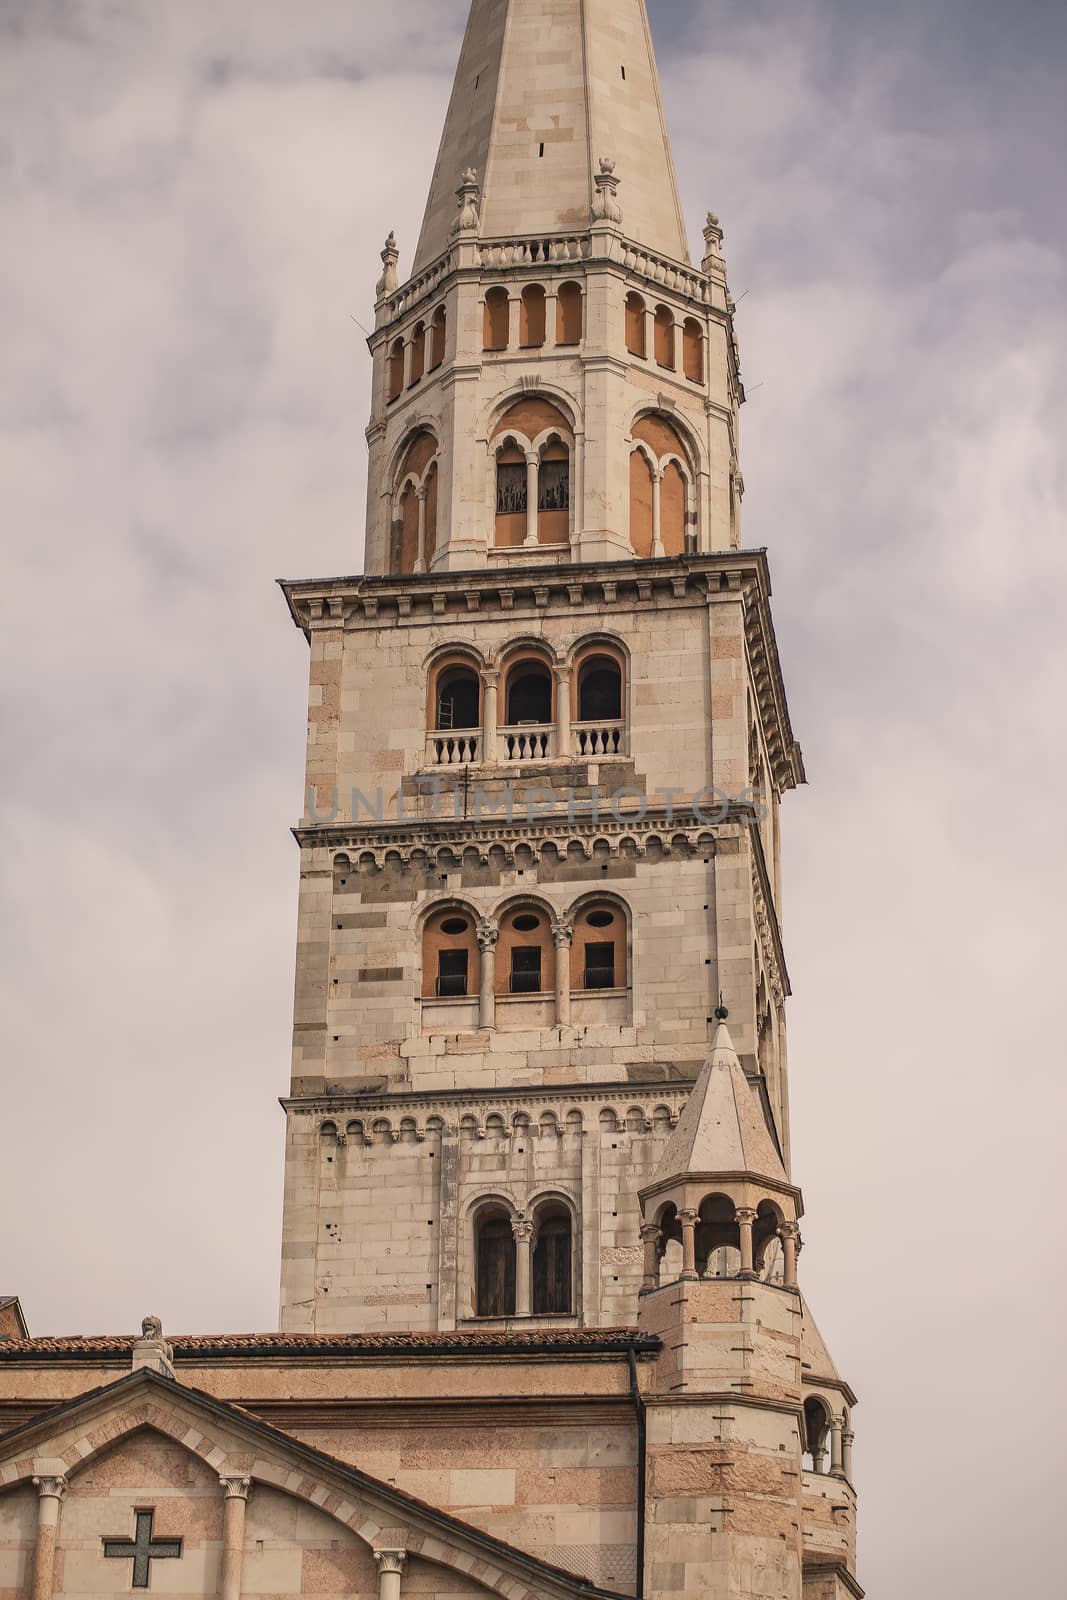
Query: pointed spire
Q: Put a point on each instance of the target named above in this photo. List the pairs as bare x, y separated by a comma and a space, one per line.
722, 1128
549, 96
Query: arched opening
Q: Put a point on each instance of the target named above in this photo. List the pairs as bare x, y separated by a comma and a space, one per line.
816, 1433
665, 338
600, 689
669, 1251
418, 354
693, 350
430, 537
718, 1236
765, 1233
451, 958
636, 326
512, 495
494, 1252
437, 338
418, 470
569, 314
395, 383
554, 493
409, 528
458, 699
530, 701
553, 1292
525, 959
532, 317
599, 948
673, 510
641, 503
497, 320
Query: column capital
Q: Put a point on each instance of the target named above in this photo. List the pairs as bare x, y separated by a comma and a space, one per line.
391, 1560
745, 1216
488, 936
651, 1233
236, 1488
51, 1486
689, 1218
789, 1230
523, 1229
562, 670
491, 677
563, 931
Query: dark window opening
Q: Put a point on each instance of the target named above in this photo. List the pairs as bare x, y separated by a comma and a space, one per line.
526, 970
452, 972
624, 74
541, 151
600, 693
598, 919
600, 966
527, 922
459, 700
496, 1269
552, 1268
511, 488
530, 698
456, 925
554, 486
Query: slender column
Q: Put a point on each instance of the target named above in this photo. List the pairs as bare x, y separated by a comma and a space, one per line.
676, 344
390, 1573
650, 334
563, 937
657, 515
523, 1231
236, 1491
427, 349
488, 935
533, 467
551, 323
490, 716
837, 1461
420, 495
746, 1218
650, 1238
514, 325
789, 1234
50, 1492
688, 1219
563, 710
848, 1439
409, 363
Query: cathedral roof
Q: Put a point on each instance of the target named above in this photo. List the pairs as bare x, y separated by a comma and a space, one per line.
544, 90
487, 1342
722, 1128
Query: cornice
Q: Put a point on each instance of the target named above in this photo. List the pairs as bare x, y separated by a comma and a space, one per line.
515, 1098
486, 833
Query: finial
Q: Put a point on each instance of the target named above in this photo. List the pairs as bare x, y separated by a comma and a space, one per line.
388, 283
469, 195
713, 237
721, 1013
606, 207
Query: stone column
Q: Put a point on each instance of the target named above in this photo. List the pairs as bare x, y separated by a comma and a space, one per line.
514, 323
688, 1219
837, 1465
236, 1491
420, 495
390, 1573
848, 1439
551, 321
676, 344
427, 353
490, 716
650, 1238
789, 1234
563, 938
533, 470
50, 1492
657, 514
746, 1219
488, 935
650, 333
563, 711
409, 364
523, 1231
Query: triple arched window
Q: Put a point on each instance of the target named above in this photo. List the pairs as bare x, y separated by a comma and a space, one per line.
542, 315
411, 356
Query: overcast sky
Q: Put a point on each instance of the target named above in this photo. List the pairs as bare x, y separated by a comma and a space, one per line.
194, 194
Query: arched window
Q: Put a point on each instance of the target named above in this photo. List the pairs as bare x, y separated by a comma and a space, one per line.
816, 1432
530, 700
494, 1248
717, 1231
636, 326
599, 690
512, 495
451, 958
525, 957
599, 948
458, 699
437, 338
673, 510
554, 493
532, 317
497, 320
569, 314
418, 354
693, 350
395, 385
642, 492
553, 1293
665, 337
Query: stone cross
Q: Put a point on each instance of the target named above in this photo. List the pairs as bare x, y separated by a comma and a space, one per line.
143, 1549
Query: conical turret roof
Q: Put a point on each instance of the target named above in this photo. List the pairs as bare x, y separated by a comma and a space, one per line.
544, 90
722, 1128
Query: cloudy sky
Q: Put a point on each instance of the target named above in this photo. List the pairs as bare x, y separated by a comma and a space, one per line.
192, 198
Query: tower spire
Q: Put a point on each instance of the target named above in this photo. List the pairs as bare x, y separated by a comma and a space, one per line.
545, 91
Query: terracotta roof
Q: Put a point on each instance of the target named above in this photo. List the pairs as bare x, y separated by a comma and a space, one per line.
193, 1347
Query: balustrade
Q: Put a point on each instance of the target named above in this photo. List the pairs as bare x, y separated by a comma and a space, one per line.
590, 739
455, 749
527, 744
